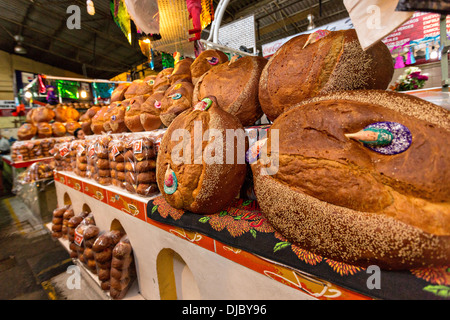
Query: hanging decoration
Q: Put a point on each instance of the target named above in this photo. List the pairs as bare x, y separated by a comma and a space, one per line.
102, 90
207, 15
167, 60
67, 89
41, 84
121, 17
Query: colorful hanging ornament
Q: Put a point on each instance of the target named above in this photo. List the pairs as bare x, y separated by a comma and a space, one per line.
41, 84
388, 138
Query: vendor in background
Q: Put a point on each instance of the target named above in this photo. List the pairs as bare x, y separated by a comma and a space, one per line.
4, 149
79, 134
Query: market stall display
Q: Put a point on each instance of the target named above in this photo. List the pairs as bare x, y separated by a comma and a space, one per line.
348, 176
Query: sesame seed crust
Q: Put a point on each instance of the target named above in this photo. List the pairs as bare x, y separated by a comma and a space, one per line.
396, 215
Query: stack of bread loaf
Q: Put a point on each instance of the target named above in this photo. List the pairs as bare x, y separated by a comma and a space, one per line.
91, 156
90, 235
68, 214
103, 247
61, 154
140, 164
123, 270
116, 149
75, 237
79, 236
37, 171
57, 221
47, 121
102, 172
81, 159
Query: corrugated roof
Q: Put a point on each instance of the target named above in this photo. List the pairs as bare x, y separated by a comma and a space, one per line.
102, 48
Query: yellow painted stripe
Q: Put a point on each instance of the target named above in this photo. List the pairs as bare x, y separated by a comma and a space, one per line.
51, 292
54, 266
13, 215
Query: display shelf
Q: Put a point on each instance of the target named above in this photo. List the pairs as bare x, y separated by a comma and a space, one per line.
211, 263
22, 164
132, 293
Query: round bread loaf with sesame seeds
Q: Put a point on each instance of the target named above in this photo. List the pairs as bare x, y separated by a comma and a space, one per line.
198, 168
333, 63
337, 198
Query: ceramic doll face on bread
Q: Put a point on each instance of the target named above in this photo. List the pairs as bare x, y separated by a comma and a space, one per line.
365, 172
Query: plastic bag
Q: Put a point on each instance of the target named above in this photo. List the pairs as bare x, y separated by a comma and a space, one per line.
68, 214
103, 247
91, 157
90, 235
140, 165
61, 154
123, 269
79, 234
74, 238
57, 221
81, 159
116, 149
102, 172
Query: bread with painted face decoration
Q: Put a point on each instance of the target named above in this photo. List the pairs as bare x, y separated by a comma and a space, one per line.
133, 113
177, 99
186, 181
344, 195
205, 61
151, 109
119, 92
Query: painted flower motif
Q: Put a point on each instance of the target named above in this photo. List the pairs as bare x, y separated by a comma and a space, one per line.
342, 268
439, 276
166, 209
238, 222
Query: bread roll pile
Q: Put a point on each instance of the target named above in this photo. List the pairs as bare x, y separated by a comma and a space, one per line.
116, 150
57, 221
81, 162
123, 270
103, 247
140, 165
102, 171
90, 235
61, 154
68, 214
